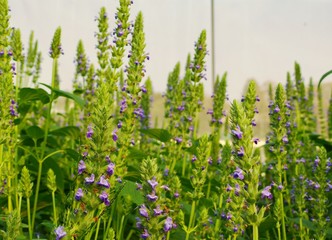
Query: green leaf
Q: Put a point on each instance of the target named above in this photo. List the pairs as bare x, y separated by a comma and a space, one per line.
35, 132
33, 94
157, 133
323, 77
135, 153
306, 223
60, 93
130, 189
69, 131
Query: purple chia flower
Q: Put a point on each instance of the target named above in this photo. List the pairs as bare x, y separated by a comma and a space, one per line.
119, 124
285, 139
256, 140
176, 194
79, 194
143, 211
81, 167
266, 193
89, 132
257, 99
237, 132
166, 171
157, 211
280, 187
104, 198
12, 108
165, 187
152, 197
139, 186
90, 180
110, 169
276, 109
210, 111
60, 232
145, 234
114, 136
237, 189
138, 223
229, 188
168, 225
143, 89
256, 110
153, 183
178, 140
210, 161
103, 182
238, 174
229, 216
240, 152
242, 99
180, 108
253, 123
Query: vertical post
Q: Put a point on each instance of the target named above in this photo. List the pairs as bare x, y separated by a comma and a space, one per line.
212, 44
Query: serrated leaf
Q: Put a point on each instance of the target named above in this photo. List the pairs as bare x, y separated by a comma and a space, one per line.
68, 131
157, 133
60, 93
35, 132
33, 94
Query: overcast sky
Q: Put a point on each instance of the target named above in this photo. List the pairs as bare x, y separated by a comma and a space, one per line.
257, 39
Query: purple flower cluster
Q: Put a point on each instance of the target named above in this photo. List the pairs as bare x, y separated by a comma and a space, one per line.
237, 132
60, 232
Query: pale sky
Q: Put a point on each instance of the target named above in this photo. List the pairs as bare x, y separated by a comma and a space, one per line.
257, 39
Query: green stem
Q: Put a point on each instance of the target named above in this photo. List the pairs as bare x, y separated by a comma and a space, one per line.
121, 228
109, 221
191, 220
129, 235
97, 230
29, 218
283, 224
40, 167
255, 232
55, 216
208, 190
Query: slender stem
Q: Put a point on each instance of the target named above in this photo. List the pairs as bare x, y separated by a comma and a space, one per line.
29, 218
55, 216
129, 235
212, 44
191, 220
255, 232
97, 230
121, 227
279, 232
109, 221
283, 224
40, 167
208, 190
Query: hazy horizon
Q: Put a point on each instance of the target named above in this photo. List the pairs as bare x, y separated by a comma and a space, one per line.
254, 39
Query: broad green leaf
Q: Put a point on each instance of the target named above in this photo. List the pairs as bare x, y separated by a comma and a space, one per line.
157, 133
323, 77
69, 131
33, 94
60, 93
130, 189
134, 153
35, 132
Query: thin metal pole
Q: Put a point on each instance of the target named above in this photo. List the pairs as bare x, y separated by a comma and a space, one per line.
212, 44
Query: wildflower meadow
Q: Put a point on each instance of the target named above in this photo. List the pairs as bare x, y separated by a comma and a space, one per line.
93, 164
